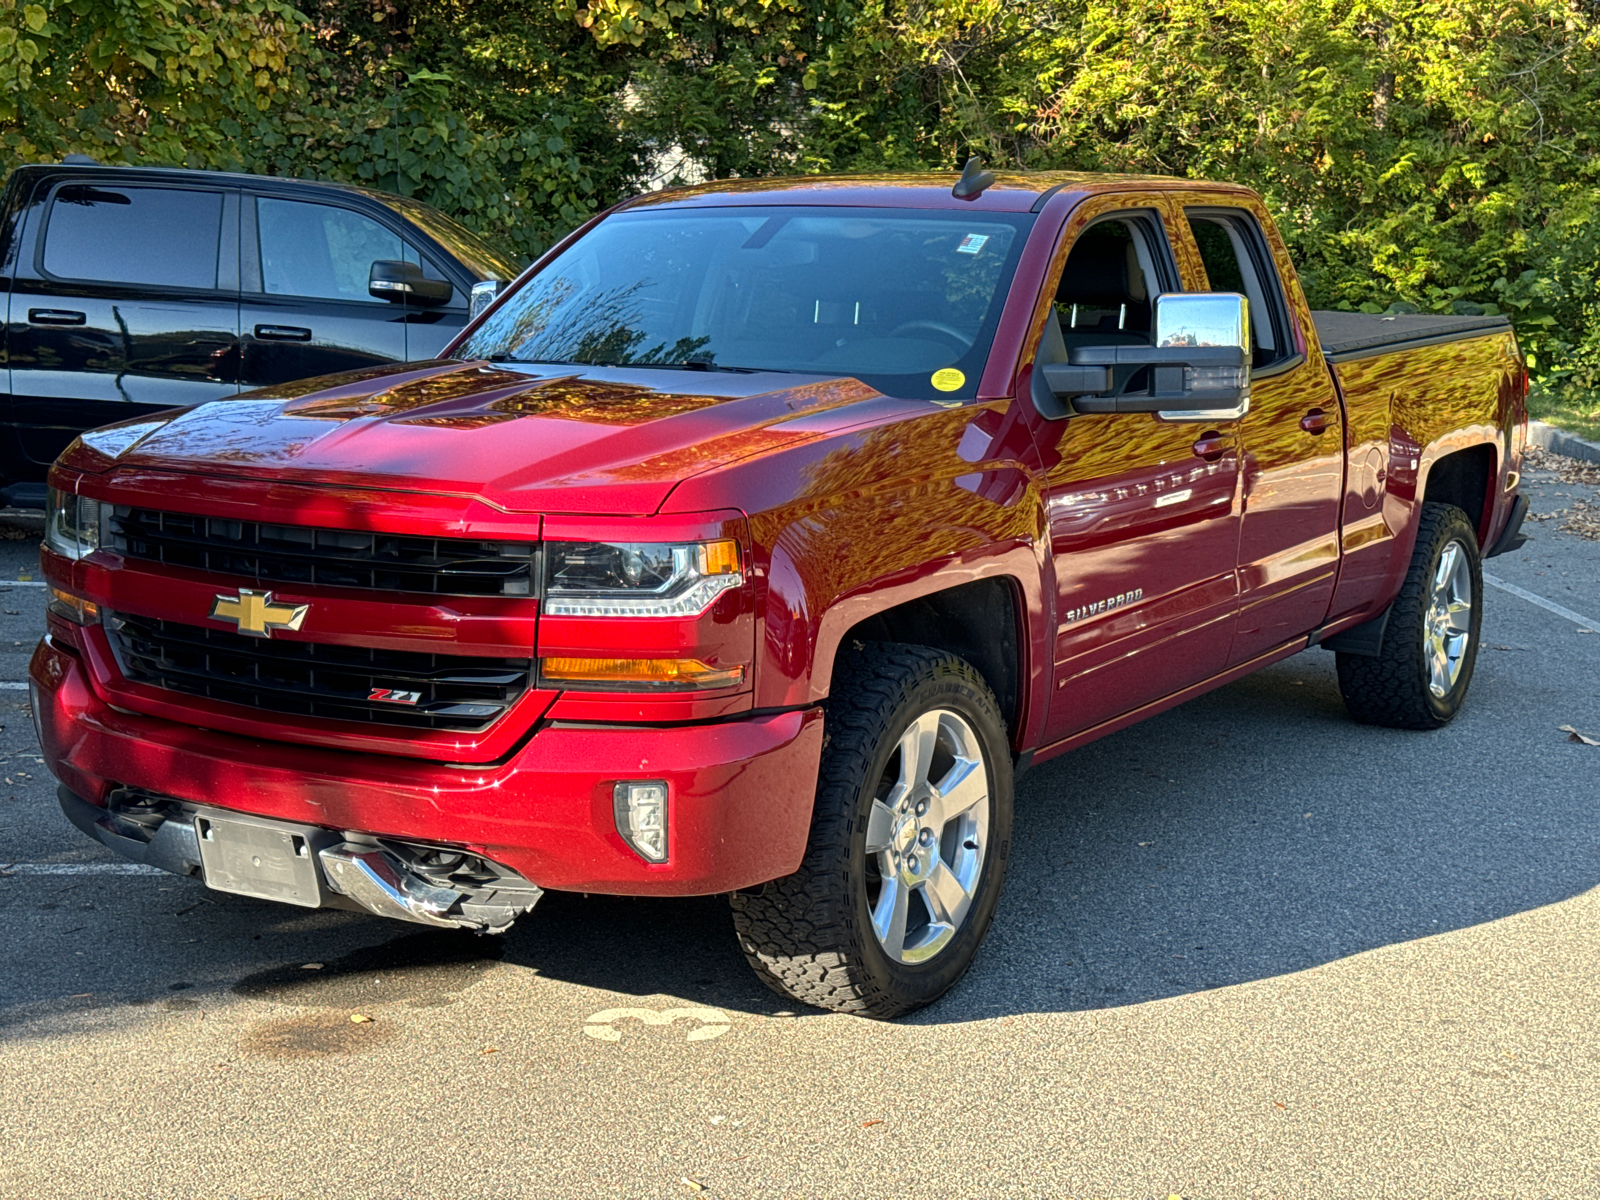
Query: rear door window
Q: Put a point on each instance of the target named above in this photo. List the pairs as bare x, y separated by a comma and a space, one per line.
1237, 260
153, 237
324, 252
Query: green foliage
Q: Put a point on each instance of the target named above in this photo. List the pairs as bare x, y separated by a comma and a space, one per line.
1438, 155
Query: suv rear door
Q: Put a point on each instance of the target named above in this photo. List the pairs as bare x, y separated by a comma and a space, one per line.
126, 301
306, 310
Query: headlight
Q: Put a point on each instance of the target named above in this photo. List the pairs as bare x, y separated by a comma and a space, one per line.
638, 579
72, 524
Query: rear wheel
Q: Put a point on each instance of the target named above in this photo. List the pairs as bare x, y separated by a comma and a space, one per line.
1430, 645
909, 840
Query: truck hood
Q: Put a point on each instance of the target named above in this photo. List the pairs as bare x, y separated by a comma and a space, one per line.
601, 440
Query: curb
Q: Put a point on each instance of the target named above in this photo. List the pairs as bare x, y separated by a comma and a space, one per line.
1559, 441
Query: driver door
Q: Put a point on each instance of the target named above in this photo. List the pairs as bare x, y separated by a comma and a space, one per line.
1143, 511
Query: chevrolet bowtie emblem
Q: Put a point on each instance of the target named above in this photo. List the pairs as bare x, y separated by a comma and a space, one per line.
255, 614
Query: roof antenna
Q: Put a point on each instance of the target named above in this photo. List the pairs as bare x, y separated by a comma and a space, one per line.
973, 180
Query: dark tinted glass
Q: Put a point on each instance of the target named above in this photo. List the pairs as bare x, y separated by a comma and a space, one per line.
904, 300
1217, 252
1237, 260
142, 235
321, 251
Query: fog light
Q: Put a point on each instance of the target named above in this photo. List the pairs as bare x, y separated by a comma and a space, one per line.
641, 811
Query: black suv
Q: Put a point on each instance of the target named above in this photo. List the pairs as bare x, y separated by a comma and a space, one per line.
132, 290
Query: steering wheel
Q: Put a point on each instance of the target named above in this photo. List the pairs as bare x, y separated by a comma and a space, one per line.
961, 341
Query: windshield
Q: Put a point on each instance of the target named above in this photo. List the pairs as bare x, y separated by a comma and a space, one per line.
482, 259
905, 300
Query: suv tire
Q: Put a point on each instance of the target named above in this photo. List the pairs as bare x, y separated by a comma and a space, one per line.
1420, 676
916, 764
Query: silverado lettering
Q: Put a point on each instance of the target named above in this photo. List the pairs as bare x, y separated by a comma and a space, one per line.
1100, 606
739, 548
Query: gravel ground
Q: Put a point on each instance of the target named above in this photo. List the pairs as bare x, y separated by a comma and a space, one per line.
1247, 948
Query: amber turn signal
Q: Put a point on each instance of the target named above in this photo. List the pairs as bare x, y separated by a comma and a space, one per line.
74, 608
720, 557
641, 672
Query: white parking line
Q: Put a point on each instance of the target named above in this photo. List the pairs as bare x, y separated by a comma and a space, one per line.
93, 868
1589, 623
23, 583
11, 685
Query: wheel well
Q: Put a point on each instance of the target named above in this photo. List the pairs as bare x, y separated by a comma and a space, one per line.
979, 621
1463, 479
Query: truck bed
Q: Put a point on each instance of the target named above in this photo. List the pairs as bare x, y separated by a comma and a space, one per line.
1346, 336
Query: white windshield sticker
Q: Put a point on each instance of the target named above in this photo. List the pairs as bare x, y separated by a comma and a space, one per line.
972, 243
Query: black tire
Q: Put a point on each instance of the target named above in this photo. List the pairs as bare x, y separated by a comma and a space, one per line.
1393, 687
810, 936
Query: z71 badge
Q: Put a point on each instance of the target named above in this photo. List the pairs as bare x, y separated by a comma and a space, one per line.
1120, 600
390, 696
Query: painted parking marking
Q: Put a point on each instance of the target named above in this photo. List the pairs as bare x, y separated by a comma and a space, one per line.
602, 1026
1590, 623
97, 868
23, 583
12, 685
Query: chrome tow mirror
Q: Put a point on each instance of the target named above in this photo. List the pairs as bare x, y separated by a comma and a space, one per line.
1199, 364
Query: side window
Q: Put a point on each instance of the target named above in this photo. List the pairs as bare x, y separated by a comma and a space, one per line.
1116, 269
157, 237
1236, 260
322, 252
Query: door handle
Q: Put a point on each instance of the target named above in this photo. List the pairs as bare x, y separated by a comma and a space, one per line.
55, 316
1210, 446
282, 333
1317, 421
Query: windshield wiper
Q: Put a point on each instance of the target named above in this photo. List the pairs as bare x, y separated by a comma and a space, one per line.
536, 362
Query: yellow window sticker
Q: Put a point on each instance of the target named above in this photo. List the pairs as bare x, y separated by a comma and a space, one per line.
948, 379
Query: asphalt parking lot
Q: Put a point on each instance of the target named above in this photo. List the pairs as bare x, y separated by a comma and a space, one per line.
1247, 948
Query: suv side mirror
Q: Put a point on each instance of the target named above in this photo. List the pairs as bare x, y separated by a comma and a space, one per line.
1199, 365
483, 295
403, 281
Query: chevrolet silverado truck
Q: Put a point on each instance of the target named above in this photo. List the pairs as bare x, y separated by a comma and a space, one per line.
752, 543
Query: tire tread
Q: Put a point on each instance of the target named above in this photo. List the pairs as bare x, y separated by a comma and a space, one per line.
796, 932
1386, 689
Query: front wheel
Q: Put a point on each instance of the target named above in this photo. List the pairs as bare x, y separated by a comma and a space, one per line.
909, 840
1420, 677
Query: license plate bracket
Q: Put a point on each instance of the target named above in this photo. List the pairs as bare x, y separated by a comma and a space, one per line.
270, 860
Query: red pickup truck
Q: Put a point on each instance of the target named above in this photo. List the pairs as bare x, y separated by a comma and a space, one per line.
753, 543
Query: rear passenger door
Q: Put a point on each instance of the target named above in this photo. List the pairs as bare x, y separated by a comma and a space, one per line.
306, 310
1292, 439
126, 303
1142, 510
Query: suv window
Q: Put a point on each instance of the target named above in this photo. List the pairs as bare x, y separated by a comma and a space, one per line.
1236, 260
323, 252
158, 237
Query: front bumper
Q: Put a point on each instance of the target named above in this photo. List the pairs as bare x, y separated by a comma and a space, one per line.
301, 864
740, 791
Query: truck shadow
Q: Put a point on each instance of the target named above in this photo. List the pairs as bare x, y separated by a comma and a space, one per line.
1251, 833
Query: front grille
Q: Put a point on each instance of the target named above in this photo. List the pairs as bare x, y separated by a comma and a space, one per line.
312, 679
330, 557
